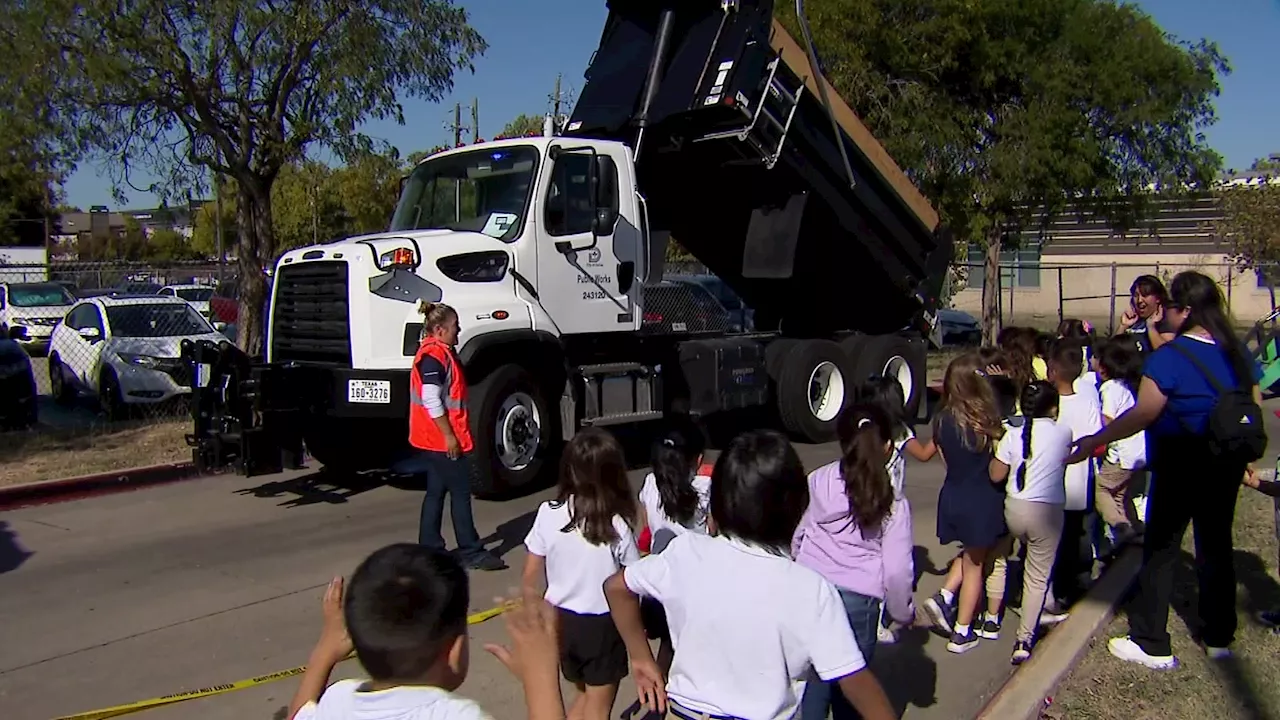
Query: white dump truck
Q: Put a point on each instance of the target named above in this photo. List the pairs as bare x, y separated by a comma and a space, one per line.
699, 120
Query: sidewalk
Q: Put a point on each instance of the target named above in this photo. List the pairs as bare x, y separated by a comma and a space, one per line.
127, 597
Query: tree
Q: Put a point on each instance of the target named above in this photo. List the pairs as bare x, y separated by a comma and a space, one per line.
523, 126
237, 87
1250, 220
367, 189
1007, 112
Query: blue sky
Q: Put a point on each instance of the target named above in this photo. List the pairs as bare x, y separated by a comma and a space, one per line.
518, 73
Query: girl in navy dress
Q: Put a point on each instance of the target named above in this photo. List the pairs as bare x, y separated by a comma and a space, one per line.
970, 506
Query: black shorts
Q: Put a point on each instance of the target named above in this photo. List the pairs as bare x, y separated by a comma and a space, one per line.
591, 650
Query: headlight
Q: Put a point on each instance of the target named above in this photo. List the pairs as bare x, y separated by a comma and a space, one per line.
145, 361
22, 321
401, 257
487, 266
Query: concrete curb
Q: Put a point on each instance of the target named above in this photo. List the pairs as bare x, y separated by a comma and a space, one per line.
75, 488
1023, 695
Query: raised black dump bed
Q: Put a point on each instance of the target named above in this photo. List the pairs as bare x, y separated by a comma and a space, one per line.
739, 159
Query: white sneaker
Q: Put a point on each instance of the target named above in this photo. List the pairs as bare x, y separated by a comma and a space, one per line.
1129, 651
886, 636
1218, 653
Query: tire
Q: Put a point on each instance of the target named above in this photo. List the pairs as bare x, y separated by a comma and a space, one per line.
514, 431
110, 398
775, 353
62, 393
895, 355
814, 366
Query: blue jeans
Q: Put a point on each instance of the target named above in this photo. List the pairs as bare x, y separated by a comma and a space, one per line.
445, 477
819, 696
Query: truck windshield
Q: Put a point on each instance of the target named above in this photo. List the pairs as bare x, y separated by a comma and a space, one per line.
484, 191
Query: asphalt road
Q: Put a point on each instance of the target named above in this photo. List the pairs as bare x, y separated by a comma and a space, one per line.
121, 598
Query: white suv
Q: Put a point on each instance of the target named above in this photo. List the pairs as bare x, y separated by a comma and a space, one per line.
29, 312
197, 295
125, 350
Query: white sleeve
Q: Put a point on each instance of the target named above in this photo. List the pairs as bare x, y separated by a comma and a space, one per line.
433, 398
1110, 400
1009, 449
310, 711
651, 576
833, 650
534, 542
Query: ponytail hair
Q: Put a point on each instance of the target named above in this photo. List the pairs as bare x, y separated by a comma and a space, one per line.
864, 430
675, 459
434, 314
1039, 400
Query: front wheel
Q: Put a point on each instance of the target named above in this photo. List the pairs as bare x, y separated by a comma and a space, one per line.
110, 398
513, 429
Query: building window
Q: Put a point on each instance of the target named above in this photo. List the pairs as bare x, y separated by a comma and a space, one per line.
1018, 268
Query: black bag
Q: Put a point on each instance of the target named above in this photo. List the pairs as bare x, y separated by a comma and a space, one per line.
1235, 431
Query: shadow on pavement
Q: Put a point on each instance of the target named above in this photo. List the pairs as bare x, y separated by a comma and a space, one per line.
511, 534
909, 676
12, 554
319, 487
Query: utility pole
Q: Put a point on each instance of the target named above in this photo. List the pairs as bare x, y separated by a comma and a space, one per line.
555, 102
457, 124
475, 120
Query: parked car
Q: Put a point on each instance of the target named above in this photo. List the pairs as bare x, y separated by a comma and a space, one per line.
959, 327
17, 387
125, 351
29, 312
198, 295
741, 317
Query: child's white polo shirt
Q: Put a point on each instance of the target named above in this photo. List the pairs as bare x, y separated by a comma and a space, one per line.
747, 626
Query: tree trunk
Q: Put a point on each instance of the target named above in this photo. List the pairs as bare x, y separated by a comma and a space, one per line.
256, 252
991, 289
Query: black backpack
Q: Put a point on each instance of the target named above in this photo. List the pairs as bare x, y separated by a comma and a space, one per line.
1235, 431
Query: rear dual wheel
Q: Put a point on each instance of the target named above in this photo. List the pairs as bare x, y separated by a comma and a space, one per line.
815, 380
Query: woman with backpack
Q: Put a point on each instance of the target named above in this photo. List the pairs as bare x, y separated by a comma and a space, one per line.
1201, 408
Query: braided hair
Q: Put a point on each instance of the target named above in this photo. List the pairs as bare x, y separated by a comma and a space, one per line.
1039, 400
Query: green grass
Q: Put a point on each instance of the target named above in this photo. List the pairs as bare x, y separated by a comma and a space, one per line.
1103, 688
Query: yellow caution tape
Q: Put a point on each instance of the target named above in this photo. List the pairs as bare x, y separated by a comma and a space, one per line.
141, 705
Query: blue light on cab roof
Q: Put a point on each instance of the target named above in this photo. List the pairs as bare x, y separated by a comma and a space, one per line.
498, 155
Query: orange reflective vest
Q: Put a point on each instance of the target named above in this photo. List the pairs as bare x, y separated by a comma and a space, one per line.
424, 434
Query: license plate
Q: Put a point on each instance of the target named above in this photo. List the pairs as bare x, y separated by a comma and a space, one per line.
377, 392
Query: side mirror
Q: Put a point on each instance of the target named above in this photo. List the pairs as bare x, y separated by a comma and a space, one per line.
92, 334
604, 185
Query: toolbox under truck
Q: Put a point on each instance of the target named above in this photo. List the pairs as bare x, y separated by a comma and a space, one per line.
700, 120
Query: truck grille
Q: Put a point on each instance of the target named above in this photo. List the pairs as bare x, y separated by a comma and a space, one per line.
310, 320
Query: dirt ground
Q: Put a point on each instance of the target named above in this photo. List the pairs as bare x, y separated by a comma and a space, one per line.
1103, 688
51, 454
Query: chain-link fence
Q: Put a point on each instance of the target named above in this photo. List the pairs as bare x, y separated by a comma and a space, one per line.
1042, 294
103, 339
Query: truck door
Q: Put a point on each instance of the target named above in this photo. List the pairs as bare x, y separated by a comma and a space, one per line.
587, 281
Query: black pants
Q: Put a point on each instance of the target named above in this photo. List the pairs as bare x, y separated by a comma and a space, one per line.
1073, 565
1187, 485
452, 478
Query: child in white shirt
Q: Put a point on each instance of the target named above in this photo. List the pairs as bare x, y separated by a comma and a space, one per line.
675, 499
405, 615
577, 542
749, 625
1121, 369
1035, 453
1082, 413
